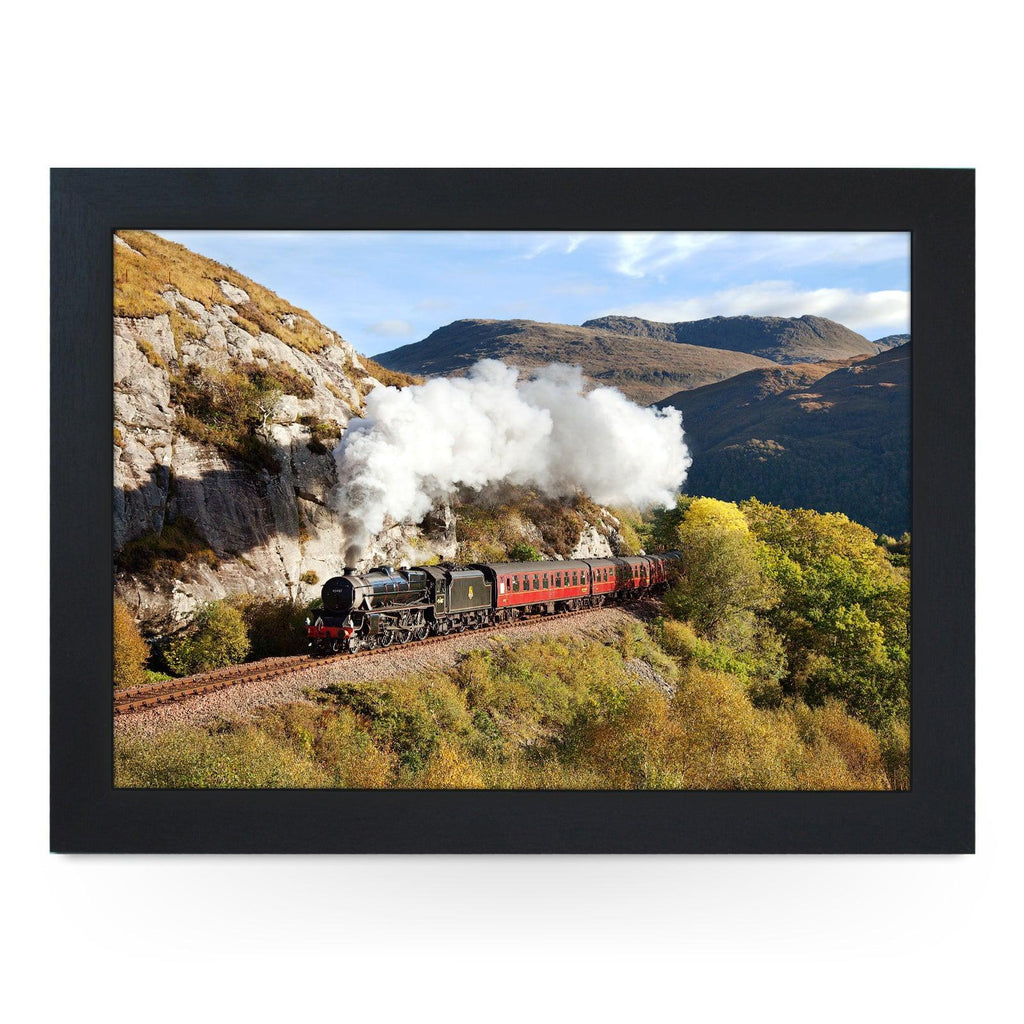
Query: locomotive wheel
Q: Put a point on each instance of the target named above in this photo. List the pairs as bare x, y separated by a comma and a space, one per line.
385, 639
419, 633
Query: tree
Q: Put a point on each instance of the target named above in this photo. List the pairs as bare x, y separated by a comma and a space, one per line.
721, 570
217, 637
131, 652
844, 609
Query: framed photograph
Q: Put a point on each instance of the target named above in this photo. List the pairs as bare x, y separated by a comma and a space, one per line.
512, 511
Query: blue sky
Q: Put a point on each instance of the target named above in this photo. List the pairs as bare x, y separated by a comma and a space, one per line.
383, 289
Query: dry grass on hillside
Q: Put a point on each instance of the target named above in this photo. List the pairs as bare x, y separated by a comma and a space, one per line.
157, 265
389, 378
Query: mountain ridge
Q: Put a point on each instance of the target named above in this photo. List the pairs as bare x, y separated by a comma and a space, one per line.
832, 437
781, 339
645, 369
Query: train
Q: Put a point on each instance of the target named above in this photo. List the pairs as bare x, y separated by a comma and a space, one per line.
386, 605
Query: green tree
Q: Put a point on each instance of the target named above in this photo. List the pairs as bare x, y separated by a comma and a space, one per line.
721, 570
844, 609
217, 637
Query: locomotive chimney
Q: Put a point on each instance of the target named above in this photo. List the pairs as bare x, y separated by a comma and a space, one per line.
350, 570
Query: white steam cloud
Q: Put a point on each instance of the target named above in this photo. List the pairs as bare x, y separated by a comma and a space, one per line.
414, 446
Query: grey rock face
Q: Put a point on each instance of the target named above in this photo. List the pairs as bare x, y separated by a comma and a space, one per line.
267, 530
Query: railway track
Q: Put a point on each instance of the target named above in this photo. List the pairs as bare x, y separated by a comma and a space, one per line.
143, 698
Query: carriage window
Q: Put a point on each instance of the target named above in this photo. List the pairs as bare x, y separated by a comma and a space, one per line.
515, 584
558, 580
545, 581
526, 583
536, 581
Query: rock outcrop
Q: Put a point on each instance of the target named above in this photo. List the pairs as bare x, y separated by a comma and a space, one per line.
247, 527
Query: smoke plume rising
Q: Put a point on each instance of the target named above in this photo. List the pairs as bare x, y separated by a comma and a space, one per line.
414, 446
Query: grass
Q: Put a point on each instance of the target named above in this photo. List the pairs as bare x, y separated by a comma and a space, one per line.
157, 266
389, 378
551, 713
153, 357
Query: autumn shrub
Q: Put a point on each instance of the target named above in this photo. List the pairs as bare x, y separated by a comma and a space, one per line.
167, 552
230, 408
131, 652
216, 637
397, 720
323, 434
242, 757
521, 551
621, 735
275, 626
345, 750
894, 744
544, 713
629, 540
679, 639
448, 768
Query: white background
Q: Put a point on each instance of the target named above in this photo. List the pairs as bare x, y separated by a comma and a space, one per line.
379, 938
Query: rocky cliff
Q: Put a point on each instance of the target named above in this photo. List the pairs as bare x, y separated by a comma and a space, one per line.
227, 404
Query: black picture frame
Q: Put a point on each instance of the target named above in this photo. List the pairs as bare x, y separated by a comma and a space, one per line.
936, 815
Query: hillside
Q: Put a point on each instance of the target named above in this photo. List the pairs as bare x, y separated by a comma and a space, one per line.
891, 341
805, 339
644, 368
228, 402
813, 436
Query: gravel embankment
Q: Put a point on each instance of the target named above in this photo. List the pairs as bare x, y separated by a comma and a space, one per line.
244, 700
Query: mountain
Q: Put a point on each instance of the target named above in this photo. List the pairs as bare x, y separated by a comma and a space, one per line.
835, 438
805, 339
891, 341
643, 367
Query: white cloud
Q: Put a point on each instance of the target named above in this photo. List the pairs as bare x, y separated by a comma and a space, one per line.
862, 311
563, 242
641, 253
391, 328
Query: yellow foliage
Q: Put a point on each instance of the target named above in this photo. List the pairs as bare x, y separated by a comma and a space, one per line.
710, 513
131, 652
449, 769
346, 751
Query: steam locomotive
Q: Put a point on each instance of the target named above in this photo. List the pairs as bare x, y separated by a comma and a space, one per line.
387, 605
